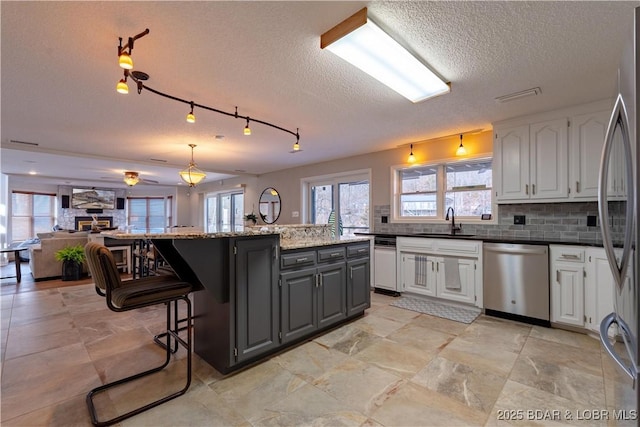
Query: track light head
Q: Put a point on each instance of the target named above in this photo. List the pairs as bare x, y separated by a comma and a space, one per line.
122, 86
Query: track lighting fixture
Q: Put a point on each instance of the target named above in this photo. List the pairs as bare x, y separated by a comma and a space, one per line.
125, 60
131, 178
461, 151
190, 117
192, 175
412, 158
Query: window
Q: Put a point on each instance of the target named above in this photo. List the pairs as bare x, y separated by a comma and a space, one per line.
149, 213
426, 192
224, 212
344, 199
31, 213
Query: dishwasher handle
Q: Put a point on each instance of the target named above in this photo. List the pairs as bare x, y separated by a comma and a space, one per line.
518, 251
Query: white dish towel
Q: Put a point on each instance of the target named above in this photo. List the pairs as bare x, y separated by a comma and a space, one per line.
451, 274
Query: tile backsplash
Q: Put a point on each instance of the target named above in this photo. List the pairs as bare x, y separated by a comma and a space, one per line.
544, 221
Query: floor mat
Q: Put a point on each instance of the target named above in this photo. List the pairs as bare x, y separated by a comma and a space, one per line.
446, 311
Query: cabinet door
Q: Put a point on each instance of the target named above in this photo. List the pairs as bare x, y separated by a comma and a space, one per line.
567, 293
299, 307
600, 286
466, 279
548, 162
332, 305
257, 297
587, 138
511, 163
418, 274
358, 286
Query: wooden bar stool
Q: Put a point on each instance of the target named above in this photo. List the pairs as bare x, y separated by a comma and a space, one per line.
130, 295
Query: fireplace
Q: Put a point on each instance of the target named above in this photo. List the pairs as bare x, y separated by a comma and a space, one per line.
84, 222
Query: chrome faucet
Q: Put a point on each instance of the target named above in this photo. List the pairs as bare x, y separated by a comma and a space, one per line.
454, 229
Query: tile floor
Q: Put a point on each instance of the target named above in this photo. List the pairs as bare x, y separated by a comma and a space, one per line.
392, 367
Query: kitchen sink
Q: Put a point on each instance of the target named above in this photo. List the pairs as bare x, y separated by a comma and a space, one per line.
444, 235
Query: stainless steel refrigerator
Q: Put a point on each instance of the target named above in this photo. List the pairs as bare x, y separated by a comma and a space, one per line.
618, 206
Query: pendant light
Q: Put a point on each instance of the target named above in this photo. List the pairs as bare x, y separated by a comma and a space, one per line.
461, 151
122, 86
192, 175
125, 61
412, 158
247, 129
131, 178
190, 117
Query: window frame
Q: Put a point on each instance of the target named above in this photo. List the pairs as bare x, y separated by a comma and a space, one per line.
167, 209
334, 179
32, 231
218, 195
441, 185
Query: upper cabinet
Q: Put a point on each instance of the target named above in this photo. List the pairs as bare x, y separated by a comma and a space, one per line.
587, 138
551, 157
530, 161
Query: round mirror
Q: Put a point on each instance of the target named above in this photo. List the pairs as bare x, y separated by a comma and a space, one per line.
269, 205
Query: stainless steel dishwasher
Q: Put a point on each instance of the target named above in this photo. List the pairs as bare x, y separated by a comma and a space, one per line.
516, 281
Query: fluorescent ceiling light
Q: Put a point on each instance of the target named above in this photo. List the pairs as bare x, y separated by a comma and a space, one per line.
517, 95
362, 43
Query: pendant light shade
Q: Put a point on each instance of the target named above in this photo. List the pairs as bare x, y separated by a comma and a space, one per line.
247, 129
125, 61
461, 151
131, 178
122, 87
190, 117
192, 175
412, 158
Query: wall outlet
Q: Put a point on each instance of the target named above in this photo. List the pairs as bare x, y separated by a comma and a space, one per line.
384, 219
592, 221
295, 214
519, 219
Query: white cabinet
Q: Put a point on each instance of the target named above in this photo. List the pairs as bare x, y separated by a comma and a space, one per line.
582, 286
442, 268
567, 285
587, 139
530, 161
554, 156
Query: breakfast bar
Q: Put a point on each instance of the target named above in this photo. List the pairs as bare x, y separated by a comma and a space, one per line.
258, 291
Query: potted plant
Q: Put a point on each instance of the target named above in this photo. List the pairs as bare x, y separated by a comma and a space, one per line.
72, 258
251, 219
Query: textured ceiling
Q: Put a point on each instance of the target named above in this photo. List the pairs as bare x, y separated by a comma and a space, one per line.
59, 70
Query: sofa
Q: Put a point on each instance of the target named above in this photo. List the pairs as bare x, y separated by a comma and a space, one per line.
42, 259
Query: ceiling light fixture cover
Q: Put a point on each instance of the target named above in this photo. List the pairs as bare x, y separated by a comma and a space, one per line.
362, 43
192, 175
131, 178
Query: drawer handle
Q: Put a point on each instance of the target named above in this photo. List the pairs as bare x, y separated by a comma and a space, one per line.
570, 256
335, 254
301, 259
362, 250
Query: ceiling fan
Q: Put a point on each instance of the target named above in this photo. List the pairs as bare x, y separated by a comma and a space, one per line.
131, 178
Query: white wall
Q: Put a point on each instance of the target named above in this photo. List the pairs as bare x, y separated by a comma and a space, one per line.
288, 182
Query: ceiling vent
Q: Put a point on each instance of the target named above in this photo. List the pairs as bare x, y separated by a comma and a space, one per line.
518, 95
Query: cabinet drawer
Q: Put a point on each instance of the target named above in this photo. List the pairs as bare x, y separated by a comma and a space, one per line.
332, 254
358, 250
567, 253
298, 258
458, 246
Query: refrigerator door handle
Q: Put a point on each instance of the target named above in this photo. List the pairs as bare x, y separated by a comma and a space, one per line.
606, 323
618, 118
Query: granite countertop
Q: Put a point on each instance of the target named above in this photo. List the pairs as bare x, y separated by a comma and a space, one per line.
285, 244
493, 239
183, 235
289, 244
